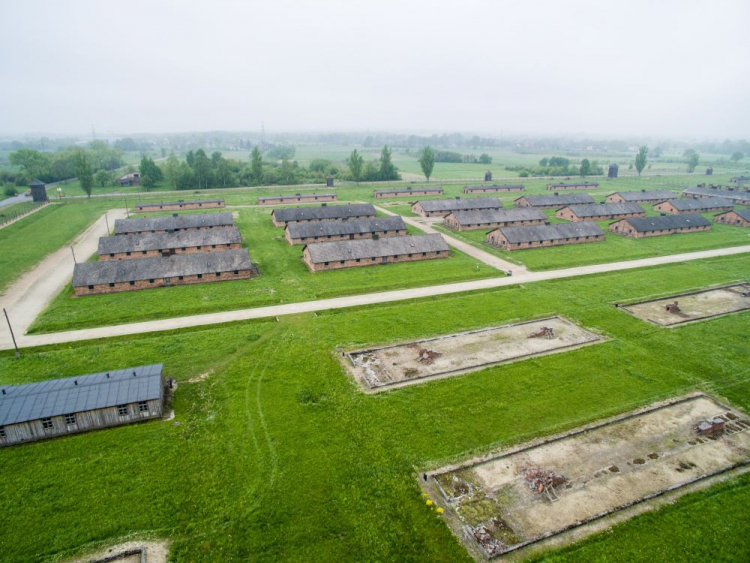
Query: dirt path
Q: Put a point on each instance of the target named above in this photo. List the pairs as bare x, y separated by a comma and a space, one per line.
351, 301
27, 297
466, 248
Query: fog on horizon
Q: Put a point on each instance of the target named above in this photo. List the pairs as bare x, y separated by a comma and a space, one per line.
633, 68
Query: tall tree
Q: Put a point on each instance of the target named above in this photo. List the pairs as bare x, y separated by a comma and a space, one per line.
102, 177
693, 161
256, 165
641, 158
356, 164
202, 168
83, 172
172, 170
190, 158
387, 169
737, 156
585, 167
427, 161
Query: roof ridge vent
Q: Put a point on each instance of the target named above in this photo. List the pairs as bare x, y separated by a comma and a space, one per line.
134, 374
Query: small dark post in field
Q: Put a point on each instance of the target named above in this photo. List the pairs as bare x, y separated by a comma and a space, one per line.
74, 255
13, 336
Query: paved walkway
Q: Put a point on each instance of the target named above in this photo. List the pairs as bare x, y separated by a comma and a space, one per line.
28, 296
352, 301
465, 247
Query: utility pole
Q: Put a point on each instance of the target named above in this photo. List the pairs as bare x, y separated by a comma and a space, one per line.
126, 207
107, 222
74, 255
13, 336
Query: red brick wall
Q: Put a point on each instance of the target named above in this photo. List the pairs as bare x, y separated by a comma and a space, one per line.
160, 282
626, 230
337, 265
451, 223
495, 238
732, 218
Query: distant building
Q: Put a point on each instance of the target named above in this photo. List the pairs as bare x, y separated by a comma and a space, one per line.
553, 201
443, 207
180, 205
491, 219
57, 407
640, 227
38, 191
149, 245
600, 211
736, 195
283, 216
132, 179
344, 229
296, 198
488, 176
740, 179
612, 171
641, 196
573, 186
329, 181
709, 171
324, 256
704, 205
406, 192
494, 189
737, 217
520, 238
173, 223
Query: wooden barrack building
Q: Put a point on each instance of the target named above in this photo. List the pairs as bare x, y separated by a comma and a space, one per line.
573, 186
643, 196
173, 223
473, 220
344, 229
443, 207
600, 211
283, 216
552, 201
297, 198
519, 238
703, 205
147, 245
494, 189
735, 195
737, 217
180, 205
641, 227
406, 192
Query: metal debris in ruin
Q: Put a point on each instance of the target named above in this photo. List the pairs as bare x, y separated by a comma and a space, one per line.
427, 356
544, 332
673, 307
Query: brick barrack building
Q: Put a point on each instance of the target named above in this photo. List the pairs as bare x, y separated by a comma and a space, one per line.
173, 223
519, 238
57, 407
90, 278
406, 192
704, 205
443, 207
494, 189
640, 227
644, 196
737, 217
600, 211
573, 186
324, 256
735, 195
344, 229
180, 205
473, 220
297, 198
552, 201
281, 217
147, 245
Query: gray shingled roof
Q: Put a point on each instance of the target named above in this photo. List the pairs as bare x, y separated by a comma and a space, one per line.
666, 222
287, 214
495, 187
369, 248
56, 397
731, 195
596, 209
435, 190
499, 216
538, 233
158, 241
178, 202
169, 222
114, 271
573, 184
646, 195
689, 204
345, 227
562, 200
263, 198
458, 204
744, 213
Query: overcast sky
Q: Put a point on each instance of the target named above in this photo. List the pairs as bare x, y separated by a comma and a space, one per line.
663, 68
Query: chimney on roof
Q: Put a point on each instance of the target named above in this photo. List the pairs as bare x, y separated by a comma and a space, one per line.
75, 382
107, 375
133, 374
375, 236
3, 391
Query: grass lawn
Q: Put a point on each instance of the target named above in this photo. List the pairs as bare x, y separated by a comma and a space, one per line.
278, 456
614, 249
284, 278
26, 242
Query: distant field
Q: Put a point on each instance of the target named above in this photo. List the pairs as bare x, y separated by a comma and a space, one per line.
284, 279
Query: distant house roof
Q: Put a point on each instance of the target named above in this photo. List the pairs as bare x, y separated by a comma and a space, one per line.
157, 241
170, 222
281, 196
667, 222
345, 227
115, 271
369, 248
287, 214
498, 216
539, 233
179, 202
130, 176
645, 195
561, 200
715, 192
562, 185
690, 204
55, 397
457, 204
596, 209
436, 190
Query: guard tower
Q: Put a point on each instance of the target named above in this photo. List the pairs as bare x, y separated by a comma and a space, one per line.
329, 181
612, 171
488, 176
709, 171
38, 190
